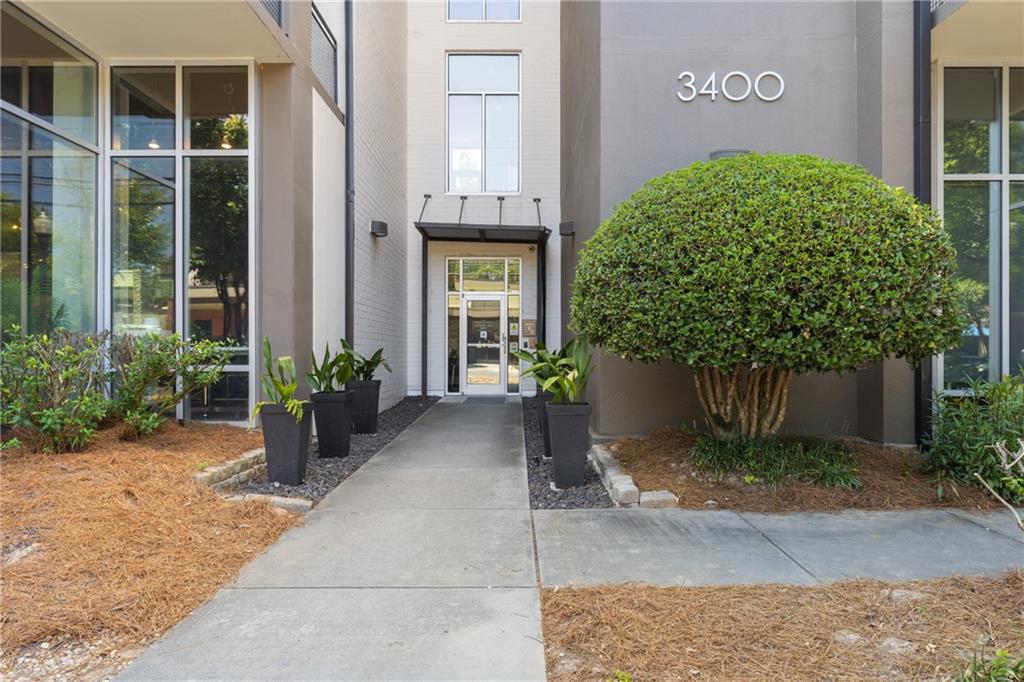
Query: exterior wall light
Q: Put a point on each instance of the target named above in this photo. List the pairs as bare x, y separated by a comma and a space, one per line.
567, 229
378, 228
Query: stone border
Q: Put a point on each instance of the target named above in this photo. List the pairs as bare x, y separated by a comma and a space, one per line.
223, 478
620, 485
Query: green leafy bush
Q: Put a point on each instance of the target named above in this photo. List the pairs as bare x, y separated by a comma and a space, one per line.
965, 427
1002, 667
52, 388
151, 374
332, 373
363, 368
754, 268
774, 461
564, 373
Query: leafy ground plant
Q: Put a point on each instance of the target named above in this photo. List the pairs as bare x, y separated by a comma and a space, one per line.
1002, 667
965, 427
279, 382
151, 374
774, 461
51, 387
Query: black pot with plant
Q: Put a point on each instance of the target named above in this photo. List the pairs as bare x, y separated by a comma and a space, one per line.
544, 361
568, 415
286, 420
332, 402
365, 389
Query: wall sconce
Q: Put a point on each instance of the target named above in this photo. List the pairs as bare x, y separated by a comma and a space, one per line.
567, 229
378, 228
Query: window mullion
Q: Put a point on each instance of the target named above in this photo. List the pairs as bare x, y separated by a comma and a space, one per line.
483, 142
1004, 260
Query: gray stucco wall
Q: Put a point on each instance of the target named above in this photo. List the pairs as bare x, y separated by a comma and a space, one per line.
845, 67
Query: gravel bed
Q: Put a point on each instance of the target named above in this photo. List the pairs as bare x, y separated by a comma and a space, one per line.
590, 495
324, 475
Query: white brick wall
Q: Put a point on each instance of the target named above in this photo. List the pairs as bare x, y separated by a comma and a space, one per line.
430, 37
380, 121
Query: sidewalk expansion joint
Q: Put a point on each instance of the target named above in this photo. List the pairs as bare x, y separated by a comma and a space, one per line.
1019, 538
776, 546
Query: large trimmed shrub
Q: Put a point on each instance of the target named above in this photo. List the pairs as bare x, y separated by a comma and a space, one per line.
754, 268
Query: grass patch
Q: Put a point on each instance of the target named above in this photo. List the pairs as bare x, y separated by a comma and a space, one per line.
775, 461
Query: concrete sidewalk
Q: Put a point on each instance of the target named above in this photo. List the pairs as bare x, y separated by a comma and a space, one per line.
418, 567
684, 547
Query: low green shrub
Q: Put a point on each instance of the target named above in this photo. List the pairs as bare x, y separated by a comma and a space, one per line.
151, 374
776, 460
965, 427
52, 388
1002, 667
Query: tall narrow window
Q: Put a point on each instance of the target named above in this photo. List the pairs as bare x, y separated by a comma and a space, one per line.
483, 123
982, 202
142, 106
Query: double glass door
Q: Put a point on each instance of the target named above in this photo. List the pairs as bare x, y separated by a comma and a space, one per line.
484, 319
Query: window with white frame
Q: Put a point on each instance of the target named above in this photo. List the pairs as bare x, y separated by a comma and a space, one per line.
483, 123
180, 224
483, 10
981, 197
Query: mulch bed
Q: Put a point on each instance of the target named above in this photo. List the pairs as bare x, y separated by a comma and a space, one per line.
591, 495
117, 543
324, 475
891, 478
857, 630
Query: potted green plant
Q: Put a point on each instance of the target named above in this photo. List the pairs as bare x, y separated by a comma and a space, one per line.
332, 402
567, 413
286, 420
366, 389
544, 361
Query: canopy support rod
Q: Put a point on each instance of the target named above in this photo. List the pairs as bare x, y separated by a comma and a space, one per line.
426, 198
462, 205
536, 200
501, 203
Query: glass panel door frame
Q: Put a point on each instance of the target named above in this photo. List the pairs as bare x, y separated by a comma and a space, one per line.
501, 388
1002, 178
105, 261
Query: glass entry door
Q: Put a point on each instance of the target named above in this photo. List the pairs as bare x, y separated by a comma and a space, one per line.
483, 343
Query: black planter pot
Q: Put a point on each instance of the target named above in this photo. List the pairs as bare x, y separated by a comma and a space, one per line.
365, 399
543, 418
569, 430
287, 443
333, 412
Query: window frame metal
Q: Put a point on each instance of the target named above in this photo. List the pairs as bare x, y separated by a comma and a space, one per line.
485, 20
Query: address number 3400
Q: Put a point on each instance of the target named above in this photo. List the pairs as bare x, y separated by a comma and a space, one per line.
735, 86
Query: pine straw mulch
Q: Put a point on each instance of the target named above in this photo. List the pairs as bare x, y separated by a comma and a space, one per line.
857, 630
891, 478
118, 540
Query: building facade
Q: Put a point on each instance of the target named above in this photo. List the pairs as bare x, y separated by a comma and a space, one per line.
212, 169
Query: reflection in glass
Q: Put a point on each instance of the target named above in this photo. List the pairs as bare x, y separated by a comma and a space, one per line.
1016, 120
45, 75
513, 274
218, 245
453, 343
464, 143
227, 400
1016, 277
142, 107
142, 245
216, 107
483, 73
502, 143
483, 274
483, 343
453, 275
513, 343
971, 105
47, 230
972, 216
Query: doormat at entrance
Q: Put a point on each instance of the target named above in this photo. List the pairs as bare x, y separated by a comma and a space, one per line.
485, 400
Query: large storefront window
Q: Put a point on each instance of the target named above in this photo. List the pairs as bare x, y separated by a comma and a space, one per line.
48, 185
983, 208
181, 215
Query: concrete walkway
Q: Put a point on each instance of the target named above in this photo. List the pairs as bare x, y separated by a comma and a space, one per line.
683, 547
421, 566
418, 567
